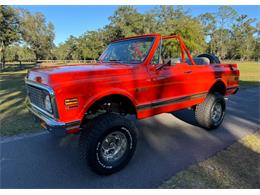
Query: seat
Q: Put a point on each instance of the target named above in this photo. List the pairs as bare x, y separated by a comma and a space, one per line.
199, 61
173, 60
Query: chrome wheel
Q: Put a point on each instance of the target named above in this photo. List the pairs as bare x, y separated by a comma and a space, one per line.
113, 146
217, 112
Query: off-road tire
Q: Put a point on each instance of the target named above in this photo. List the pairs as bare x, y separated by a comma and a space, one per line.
203, 111
95, 132
212, 58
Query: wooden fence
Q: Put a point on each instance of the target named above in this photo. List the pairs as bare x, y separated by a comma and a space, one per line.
28, 64
66, 61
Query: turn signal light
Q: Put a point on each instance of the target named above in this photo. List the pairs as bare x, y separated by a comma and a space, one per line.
72, 103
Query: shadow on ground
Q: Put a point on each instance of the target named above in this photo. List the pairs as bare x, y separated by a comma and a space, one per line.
246, 84
235, 167
15, 118
168, 143
18, 67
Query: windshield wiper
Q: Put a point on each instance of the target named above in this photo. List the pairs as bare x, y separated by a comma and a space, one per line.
114, 60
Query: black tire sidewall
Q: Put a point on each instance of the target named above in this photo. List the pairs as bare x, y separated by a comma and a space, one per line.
203, 111
128, 153
91, 138
212, 58
218, 99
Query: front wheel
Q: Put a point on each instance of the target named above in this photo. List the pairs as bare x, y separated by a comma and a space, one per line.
108, 144
210, 113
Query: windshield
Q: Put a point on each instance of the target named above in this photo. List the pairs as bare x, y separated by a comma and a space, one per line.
132, 51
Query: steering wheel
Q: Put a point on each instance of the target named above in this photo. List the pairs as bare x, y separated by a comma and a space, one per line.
137, 52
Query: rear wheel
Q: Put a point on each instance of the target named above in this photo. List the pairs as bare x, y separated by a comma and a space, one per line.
108, 143
210, 113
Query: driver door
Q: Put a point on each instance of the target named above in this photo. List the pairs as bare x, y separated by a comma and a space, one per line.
170, 78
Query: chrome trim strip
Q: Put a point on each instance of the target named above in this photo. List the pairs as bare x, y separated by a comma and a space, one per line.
52, 96
170, 101
231, 88
36, 84
40, 115
236, 88
53, 125
45, 112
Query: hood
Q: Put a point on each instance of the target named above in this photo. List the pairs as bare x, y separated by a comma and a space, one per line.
57, 74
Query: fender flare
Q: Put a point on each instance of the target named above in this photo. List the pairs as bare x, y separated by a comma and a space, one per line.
103, 94
219, 80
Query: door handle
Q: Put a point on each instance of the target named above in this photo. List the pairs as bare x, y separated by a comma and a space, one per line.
188, 72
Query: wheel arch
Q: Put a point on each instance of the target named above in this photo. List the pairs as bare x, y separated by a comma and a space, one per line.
114, 95
219, 86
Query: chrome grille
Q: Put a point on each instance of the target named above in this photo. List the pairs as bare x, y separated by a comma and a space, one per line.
36, 96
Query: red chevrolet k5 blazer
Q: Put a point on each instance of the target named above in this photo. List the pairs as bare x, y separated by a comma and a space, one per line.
141, 76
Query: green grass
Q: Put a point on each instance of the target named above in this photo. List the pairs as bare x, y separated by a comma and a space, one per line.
236, 167
14, 118
249, 72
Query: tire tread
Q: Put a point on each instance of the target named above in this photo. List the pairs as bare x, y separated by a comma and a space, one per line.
92, 132
202, 111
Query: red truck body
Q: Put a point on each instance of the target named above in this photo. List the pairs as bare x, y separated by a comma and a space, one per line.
149, 89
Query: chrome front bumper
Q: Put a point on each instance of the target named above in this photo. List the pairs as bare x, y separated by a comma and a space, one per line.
57, 128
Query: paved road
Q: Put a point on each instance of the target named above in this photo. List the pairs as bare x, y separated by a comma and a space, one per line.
168, 143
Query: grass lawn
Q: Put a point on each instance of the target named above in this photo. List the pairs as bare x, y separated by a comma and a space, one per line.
249, 73
235, 167
15, 118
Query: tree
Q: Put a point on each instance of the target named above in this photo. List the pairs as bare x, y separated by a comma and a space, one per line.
168, 16
220, 33
221, 48
226, 15
127, 21
149, 23
208, 22
92, 44
175, 21
243, 31
18, 52
9, 29
69, 50
257, 43
37, 33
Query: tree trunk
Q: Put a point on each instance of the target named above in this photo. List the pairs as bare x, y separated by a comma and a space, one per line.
36, 59
21, 65
3, 59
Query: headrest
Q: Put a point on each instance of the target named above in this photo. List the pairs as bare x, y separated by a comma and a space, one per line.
199, 61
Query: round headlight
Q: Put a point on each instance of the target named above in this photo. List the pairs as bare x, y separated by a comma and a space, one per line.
47, 103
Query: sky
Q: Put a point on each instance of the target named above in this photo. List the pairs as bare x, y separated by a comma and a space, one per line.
75, 20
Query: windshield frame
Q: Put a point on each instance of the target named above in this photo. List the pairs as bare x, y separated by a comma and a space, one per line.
124, 40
